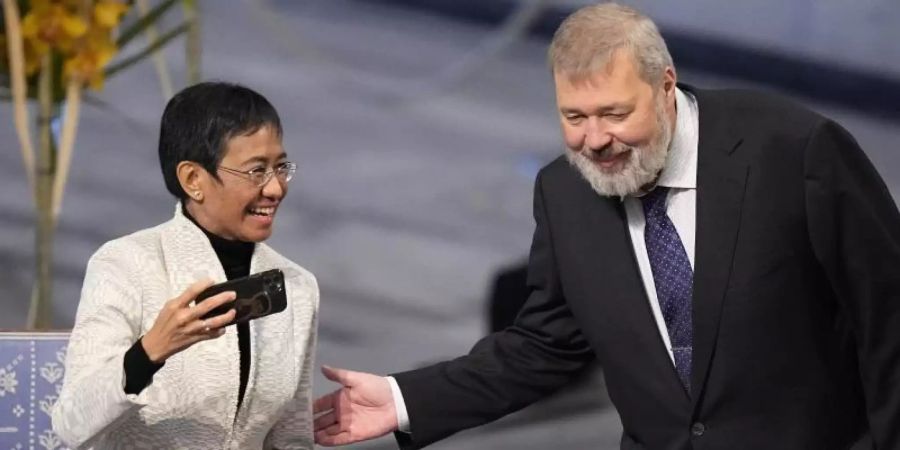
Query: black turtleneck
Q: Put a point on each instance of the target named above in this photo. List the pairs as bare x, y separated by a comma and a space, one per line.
235, 258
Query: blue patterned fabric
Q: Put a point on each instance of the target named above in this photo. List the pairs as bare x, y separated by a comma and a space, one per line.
31, 375
673, 277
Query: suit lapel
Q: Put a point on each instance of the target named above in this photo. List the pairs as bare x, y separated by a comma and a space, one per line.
188, 254
189, 257
264, 258
721, 180
607, 253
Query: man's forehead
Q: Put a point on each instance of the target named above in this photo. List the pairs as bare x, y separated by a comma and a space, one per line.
581, 81
597, 84
618, 62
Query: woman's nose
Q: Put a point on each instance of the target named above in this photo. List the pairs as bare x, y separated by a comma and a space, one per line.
273, 188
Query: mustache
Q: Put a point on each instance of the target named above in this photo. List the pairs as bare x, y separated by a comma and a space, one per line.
609, 151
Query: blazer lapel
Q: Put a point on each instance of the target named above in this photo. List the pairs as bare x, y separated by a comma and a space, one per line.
721, 180
607, 254
264, 258
188, 254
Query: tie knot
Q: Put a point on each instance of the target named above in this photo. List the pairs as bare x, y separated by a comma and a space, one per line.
655, 201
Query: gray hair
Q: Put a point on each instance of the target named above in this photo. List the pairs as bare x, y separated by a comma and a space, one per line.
586, 40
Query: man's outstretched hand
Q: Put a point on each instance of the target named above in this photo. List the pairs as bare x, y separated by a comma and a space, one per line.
362, 409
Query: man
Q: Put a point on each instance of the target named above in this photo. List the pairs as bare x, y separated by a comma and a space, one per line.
731, 259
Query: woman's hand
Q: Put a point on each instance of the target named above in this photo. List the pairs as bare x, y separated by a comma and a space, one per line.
179, 325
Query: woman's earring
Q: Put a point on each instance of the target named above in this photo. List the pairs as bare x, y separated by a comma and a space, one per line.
198, 195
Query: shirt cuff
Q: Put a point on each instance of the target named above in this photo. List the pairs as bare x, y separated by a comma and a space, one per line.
399, 406
139, 370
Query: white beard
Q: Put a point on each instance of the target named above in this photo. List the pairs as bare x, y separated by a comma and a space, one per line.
642, 167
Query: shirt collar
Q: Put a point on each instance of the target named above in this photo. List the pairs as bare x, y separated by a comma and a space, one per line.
680, 170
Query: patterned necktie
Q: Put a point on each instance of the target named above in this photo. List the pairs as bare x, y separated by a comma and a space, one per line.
673, 277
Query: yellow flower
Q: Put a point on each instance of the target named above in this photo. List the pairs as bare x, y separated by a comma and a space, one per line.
53, 24
83, 41
90, 58
34, 52
108, 12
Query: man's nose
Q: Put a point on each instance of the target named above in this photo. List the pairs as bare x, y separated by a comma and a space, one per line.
596, 135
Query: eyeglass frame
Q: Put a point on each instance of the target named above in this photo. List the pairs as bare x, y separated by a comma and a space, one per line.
291, 168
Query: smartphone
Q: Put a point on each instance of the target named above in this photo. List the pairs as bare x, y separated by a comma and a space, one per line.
258, 295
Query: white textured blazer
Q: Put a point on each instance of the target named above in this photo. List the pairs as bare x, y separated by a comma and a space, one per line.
192, 401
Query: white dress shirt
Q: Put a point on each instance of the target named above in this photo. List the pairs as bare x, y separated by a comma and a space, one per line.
680, 176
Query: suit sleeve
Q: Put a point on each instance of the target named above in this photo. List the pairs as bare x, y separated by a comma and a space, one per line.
507, 370
854, 228
108, 322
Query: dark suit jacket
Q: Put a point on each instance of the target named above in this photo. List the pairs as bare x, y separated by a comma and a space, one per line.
509, 293
796, 305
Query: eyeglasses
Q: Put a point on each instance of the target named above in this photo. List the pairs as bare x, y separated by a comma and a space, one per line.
260, 176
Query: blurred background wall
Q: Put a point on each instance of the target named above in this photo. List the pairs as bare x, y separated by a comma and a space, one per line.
418, 127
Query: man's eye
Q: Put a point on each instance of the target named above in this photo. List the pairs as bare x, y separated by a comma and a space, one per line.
257, 171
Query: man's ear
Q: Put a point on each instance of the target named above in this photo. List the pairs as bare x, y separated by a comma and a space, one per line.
670, 81
191, 177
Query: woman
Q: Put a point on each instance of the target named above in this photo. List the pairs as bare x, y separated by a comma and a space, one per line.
144, 369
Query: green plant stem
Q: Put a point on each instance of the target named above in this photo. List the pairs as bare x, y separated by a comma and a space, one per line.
192, 45
42, 294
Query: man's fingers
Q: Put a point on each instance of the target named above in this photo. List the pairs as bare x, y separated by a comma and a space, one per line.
334, 429
327, 440
341, 376
325, 402
192, 291
324, 421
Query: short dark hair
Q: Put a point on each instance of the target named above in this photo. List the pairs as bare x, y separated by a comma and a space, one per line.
199, 121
